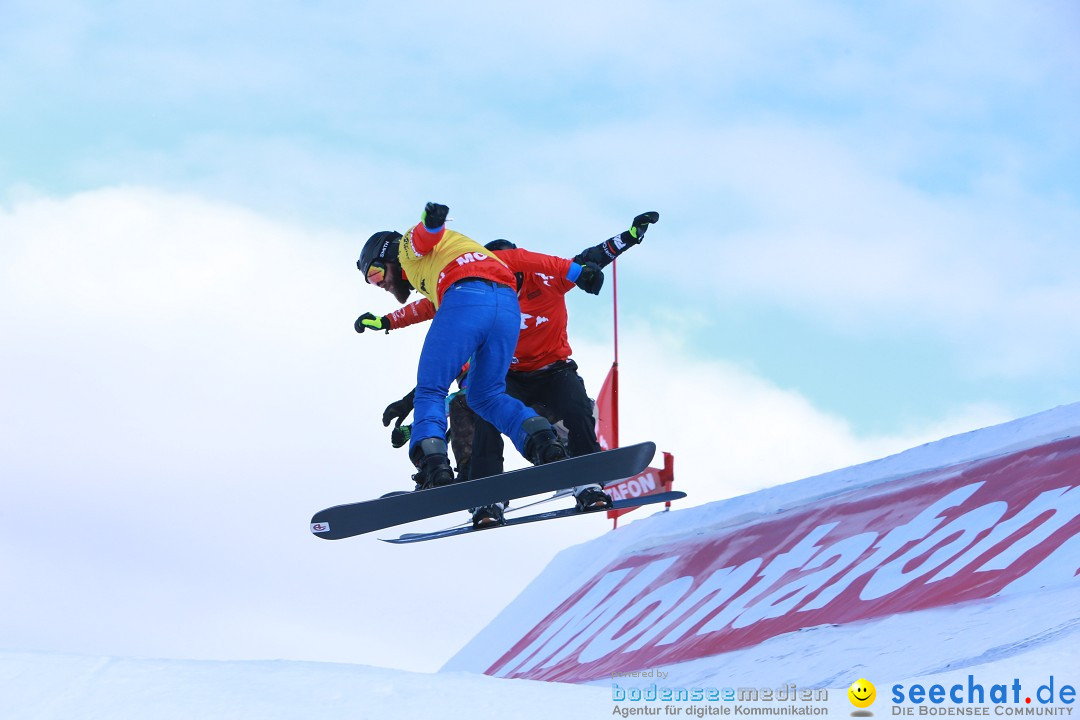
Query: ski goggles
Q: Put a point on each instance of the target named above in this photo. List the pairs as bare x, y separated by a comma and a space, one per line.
376, 272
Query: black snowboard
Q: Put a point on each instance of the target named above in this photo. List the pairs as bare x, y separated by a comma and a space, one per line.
342, 521
522, 520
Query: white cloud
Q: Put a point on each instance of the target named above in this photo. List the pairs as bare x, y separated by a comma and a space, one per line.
804, 220
731, 431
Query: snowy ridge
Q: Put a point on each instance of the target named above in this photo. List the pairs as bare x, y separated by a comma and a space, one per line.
68, 687
979, 626
1039, 429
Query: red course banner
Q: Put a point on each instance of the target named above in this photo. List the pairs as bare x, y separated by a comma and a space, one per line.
946, 536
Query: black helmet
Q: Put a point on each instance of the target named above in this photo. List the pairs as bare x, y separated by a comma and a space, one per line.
500, 244
382, 246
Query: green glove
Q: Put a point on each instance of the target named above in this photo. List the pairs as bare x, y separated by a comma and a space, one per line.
400, 435
638, 227
370, 321
434, 216
591, 278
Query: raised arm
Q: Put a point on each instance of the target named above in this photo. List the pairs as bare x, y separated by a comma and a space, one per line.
613, 247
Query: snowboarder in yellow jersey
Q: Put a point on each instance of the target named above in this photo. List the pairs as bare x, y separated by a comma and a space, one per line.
477, 319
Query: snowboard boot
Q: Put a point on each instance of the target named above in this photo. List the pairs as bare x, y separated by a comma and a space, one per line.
488, 516
591, 497
542, 444
430, 458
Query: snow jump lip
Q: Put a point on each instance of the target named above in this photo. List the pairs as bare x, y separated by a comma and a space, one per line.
967, 531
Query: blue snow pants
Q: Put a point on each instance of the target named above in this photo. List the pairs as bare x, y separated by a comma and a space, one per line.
477, 321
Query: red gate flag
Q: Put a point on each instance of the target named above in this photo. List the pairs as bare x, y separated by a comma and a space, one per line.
607, 411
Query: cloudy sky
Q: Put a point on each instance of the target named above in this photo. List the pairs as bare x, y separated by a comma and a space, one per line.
867, 241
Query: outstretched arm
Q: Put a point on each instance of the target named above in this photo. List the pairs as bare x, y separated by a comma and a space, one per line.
613, 247
415, 312
556, 272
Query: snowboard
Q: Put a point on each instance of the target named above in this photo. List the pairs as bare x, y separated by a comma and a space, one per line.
342, 521
522, 520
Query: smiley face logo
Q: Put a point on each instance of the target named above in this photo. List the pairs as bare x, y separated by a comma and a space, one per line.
862, 693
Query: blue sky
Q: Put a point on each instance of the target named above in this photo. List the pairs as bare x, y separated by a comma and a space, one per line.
868, 230
936, 141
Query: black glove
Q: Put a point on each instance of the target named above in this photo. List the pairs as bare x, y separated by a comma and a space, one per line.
398, 410
434, 216
370, 321
400, 435
638, 227
591, 278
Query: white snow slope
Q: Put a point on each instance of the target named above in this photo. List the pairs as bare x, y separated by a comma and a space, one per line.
989, 652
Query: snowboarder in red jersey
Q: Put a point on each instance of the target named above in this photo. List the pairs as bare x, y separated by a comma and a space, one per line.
541, 371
